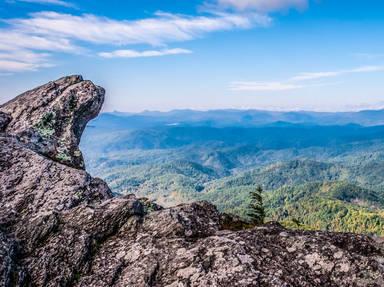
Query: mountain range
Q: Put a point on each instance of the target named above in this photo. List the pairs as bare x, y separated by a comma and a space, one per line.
318, 170
232, 117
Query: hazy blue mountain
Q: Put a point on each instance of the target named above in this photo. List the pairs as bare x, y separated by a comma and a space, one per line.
320, 170
225, 118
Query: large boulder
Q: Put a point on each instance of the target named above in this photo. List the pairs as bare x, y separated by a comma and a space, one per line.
50, 119
32, 185
61, 227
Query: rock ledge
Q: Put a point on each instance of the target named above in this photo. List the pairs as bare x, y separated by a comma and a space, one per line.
50, 119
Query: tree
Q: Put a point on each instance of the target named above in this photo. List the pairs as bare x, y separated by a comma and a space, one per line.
297, 222
256, 212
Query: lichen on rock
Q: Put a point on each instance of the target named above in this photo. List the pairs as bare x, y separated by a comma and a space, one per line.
46, 126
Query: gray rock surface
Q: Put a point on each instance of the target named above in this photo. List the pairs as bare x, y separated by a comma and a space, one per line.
4, 121
50, 119
61, 227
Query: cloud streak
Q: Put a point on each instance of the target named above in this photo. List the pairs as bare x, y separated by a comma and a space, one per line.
27, 52
159, 30
11, 40
22, 60
303, 80
265, 6
143, 54
66, 33
48, 2
244, 86
321, 75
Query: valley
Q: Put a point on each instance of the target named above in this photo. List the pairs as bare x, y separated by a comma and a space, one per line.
316, 175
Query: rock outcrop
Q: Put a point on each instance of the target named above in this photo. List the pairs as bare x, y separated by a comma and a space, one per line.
50, 119
61, 227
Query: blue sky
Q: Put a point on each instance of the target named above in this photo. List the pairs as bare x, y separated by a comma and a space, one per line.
207, 54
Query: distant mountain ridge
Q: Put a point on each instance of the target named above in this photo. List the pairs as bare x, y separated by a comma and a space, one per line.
224, 118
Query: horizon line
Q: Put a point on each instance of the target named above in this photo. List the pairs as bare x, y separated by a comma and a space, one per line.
277, 110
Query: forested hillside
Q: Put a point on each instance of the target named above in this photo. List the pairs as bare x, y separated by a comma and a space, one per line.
315, 175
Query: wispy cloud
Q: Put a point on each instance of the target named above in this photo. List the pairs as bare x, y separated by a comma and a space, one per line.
330, 74
27, 52
46, 2
22, 60
244, 86
143, 54
264, 6
12, 39
58, 32
159, 30
303, 80
11, 66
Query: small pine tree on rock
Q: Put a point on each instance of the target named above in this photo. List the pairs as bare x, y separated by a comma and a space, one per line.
256, 212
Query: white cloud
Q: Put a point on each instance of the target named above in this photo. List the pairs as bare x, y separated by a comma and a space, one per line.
47, 2
15, 40
320, 75
300, 81
244, 86
24, 56
22, 60
141, 54
159, 30
16, 66
57, 32
265, 6
25, 52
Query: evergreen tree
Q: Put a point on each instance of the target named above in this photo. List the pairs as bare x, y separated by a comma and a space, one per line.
256, 212
297, 222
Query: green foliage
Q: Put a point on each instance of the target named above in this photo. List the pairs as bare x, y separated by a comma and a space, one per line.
336, 206
256, 212
328, 178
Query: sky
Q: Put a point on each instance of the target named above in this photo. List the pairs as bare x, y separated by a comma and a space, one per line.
322, 55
